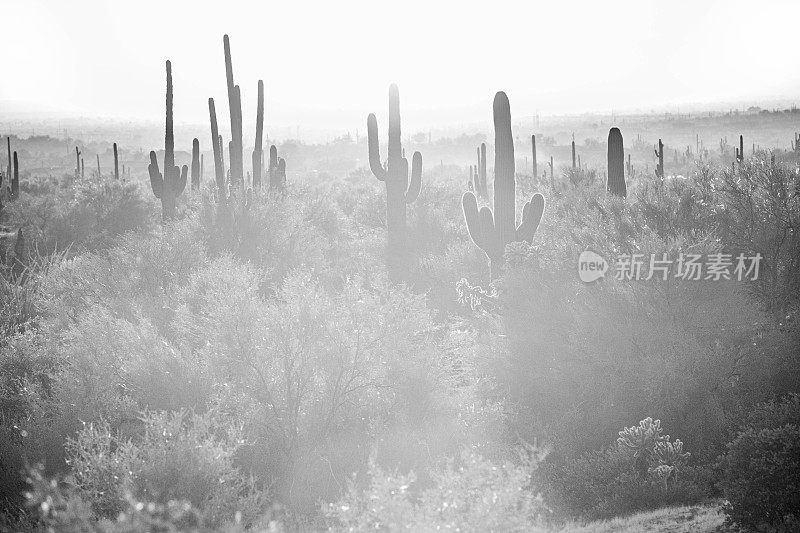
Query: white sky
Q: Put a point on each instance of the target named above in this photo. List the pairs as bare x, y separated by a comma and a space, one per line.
327, 64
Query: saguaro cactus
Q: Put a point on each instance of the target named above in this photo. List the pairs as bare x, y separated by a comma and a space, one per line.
399, 191
481, 185
8, 172
195, 170
492, 231
13, 190
660, 155
740, 150
573, 151
533, 149
78, 172
235, 104
116, 162
258, 151
170, 185
216, 143
99, 175
615, 183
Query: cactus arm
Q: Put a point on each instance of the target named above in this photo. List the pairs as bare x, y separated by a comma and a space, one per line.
472, 217
156, 179
531, 217
181, 184
416, 178
374, 150
480, 225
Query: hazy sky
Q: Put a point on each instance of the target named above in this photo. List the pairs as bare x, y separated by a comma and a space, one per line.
327, 64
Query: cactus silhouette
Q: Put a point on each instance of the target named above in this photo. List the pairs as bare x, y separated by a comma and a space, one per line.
195, 169
78, 172
660, 155
535, 167
216, 143
116, 162
615, 183
481, 185
235, 105
8, 172
170, 185
399, 191
13, 190
258, 151
492, 231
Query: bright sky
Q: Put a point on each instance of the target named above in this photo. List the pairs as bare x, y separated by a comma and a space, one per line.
327, 64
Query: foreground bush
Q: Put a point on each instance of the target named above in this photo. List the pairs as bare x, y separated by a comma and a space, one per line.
470, 494
761, 470
643, 470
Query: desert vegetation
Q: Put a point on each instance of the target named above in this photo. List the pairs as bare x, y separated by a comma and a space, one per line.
395, 347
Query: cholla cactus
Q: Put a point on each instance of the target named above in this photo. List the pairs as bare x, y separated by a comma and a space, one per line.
642, 438
670, 454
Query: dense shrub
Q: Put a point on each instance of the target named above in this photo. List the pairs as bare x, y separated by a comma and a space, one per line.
467, 494
761, 469
643, 470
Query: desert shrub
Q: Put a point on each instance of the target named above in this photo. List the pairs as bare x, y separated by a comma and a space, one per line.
274, 231
89, 216
761, 469
178, 458
643, 470
583, 359
761, 211
466, 494
131, 279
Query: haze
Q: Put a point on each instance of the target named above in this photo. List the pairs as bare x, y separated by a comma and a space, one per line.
327, 64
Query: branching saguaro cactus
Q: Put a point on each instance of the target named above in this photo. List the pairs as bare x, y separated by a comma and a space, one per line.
258, 154
235, 105
615, 183
399, 191
492, 231
660, 155
740, 150
276, 171
216, 143
170, 185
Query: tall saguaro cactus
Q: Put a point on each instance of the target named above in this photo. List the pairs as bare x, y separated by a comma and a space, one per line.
235, 105
616, 164
573, 151
170, 185
660, 155
8, 172
740, 150
219, 164
481, 185
13, 190
258, 151
492, 231
116, 162
195, 170
78, 172
399, 191
533, 149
